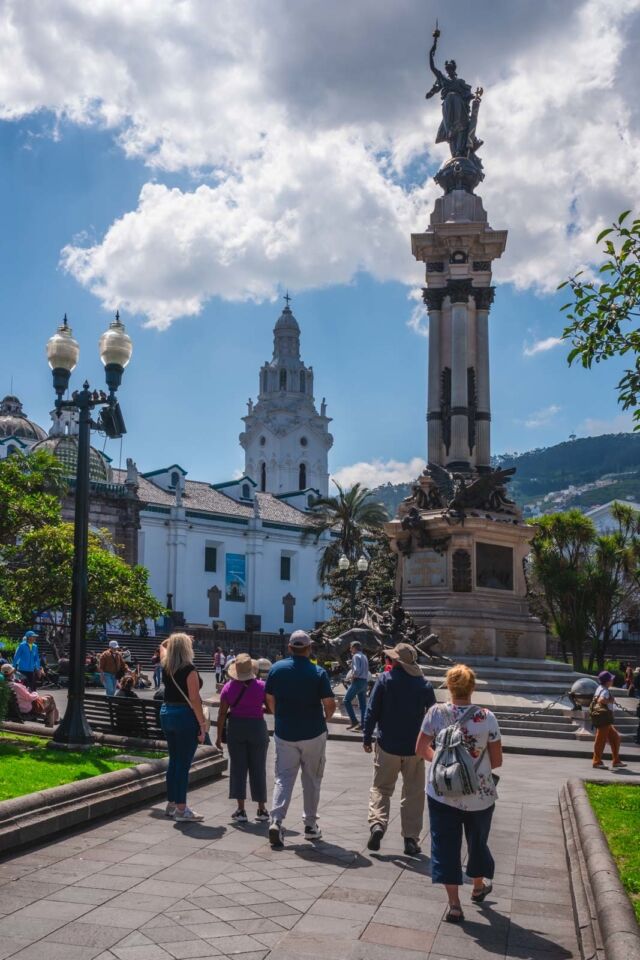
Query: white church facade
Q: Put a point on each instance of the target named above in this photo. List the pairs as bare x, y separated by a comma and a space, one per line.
241, 552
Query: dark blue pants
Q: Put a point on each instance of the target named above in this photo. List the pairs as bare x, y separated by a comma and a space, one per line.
357, 688
180, 727
447, 826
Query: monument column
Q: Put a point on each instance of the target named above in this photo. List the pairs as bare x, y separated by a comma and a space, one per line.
433, 300
484, 299
459, 292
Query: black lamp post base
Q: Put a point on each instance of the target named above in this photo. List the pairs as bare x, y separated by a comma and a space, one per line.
73, 731
71, 747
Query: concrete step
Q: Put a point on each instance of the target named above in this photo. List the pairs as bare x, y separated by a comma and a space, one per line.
517, 663
509, 673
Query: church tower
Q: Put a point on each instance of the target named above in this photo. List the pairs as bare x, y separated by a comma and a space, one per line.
286, 441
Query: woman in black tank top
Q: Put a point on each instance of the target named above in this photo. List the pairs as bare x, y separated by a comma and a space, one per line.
182, 721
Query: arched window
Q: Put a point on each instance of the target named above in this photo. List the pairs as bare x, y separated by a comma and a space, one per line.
175, 478
283, 379
303, 381
263, 477
302, 477
245, 491
11, 449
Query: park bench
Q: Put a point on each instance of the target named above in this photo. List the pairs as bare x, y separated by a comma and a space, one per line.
123, 716
14, 715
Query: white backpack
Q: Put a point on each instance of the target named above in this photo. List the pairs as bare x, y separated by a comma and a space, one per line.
453, 770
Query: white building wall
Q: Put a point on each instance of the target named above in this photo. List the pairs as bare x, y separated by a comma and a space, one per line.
174, 552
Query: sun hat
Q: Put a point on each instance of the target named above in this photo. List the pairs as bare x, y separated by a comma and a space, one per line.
7, 669
243, 668
299, 640
405, 655
604, 676
114, 644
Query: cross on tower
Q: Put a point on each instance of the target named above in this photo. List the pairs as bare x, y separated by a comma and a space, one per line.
287, 297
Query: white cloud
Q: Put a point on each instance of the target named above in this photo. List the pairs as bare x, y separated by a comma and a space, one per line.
541, 346
594, 427
542, 417
299, 127
418, 319
377, 472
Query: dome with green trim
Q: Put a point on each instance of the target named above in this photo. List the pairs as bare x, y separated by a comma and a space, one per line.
65, 449
15, 423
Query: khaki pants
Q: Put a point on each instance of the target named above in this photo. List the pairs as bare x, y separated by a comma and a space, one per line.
605, 735
387, 767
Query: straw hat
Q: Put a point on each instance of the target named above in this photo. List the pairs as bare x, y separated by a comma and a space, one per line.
405, 655
243, 668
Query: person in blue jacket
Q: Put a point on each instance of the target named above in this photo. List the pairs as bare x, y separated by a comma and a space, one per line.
27, 659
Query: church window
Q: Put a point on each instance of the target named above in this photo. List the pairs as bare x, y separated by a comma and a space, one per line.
263, 477
283, 379
263, 440
245, 492
11, 449
210, 559
285, 568
175, 478
263, 381
302, 476
310, 501
303, 441
303, 381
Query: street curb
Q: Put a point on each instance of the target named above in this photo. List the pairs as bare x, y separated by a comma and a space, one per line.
37, 816
605, 921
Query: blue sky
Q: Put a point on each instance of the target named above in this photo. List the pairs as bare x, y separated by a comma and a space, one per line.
112, 196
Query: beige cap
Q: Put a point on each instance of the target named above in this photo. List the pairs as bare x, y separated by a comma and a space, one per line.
405, 655
243, 668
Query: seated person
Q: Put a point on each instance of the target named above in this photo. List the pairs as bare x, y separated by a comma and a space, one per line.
31, 703
126, 685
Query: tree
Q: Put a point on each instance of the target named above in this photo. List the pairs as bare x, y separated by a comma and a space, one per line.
353, 517
559, 578
30, 490
604, 315
583, 583
377, 588
39, 580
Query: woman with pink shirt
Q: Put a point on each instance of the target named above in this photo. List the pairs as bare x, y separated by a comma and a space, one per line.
29, 702
242, 702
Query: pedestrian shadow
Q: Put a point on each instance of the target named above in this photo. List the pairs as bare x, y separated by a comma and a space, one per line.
333, 853
420, 864
200, 830
520, 942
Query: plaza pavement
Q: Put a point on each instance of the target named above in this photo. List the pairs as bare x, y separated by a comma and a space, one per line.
141, 887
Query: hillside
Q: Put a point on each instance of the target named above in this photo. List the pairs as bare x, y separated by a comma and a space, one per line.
584, 473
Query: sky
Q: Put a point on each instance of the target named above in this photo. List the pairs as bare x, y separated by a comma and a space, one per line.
188, 161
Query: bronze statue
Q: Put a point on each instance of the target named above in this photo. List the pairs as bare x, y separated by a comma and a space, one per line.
458, 126
460, 493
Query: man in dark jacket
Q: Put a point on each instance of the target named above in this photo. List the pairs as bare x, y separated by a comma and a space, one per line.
397, 706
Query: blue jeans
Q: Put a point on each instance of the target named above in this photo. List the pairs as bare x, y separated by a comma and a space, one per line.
157, 676
447, 826
180, 727
109, 680
357, 688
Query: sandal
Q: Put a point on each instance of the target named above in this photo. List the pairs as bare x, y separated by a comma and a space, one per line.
486, 890
454, 915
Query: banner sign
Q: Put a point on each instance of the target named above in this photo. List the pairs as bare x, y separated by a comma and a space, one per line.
235, 577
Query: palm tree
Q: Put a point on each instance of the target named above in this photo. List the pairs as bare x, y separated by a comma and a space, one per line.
352, 517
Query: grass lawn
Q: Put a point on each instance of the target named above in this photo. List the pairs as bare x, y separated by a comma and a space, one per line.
28, 765
617, 808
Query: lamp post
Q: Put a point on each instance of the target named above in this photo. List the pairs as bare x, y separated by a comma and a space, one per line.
362, 565
63, 353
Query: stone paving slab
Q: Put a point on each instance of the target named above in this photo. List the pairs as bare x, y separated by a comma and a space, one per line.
140, 887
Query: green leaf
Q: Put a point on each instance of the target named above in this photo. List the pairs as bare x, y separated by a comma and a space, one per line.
603, 234
623, 216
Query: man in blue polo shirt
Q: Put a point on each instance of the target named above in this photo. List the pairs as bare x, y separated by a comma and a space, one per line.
299, 695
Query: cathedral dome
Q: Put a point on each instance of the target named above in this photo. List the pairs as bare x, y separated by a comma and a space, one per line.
286, 322
65, 449
14, 423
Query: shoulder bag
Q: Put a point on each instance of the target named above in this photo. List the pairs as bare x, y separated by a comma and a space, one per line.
232, 706
206, 713
599, 713
453, 770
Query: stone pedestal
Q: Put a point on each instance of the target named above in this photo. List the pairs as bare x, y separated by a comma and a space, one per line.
465, 581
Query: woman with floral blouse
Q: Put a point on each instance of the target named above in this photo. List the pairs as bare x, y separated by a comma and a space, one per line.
450, 816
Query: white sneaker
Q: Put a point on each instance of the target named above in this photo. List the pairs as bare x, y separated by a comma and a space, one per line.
187, 816
312, 832
170, 810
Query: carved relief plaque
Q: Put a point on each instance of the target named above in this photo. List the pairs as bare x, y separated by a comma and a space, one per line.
426, 568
